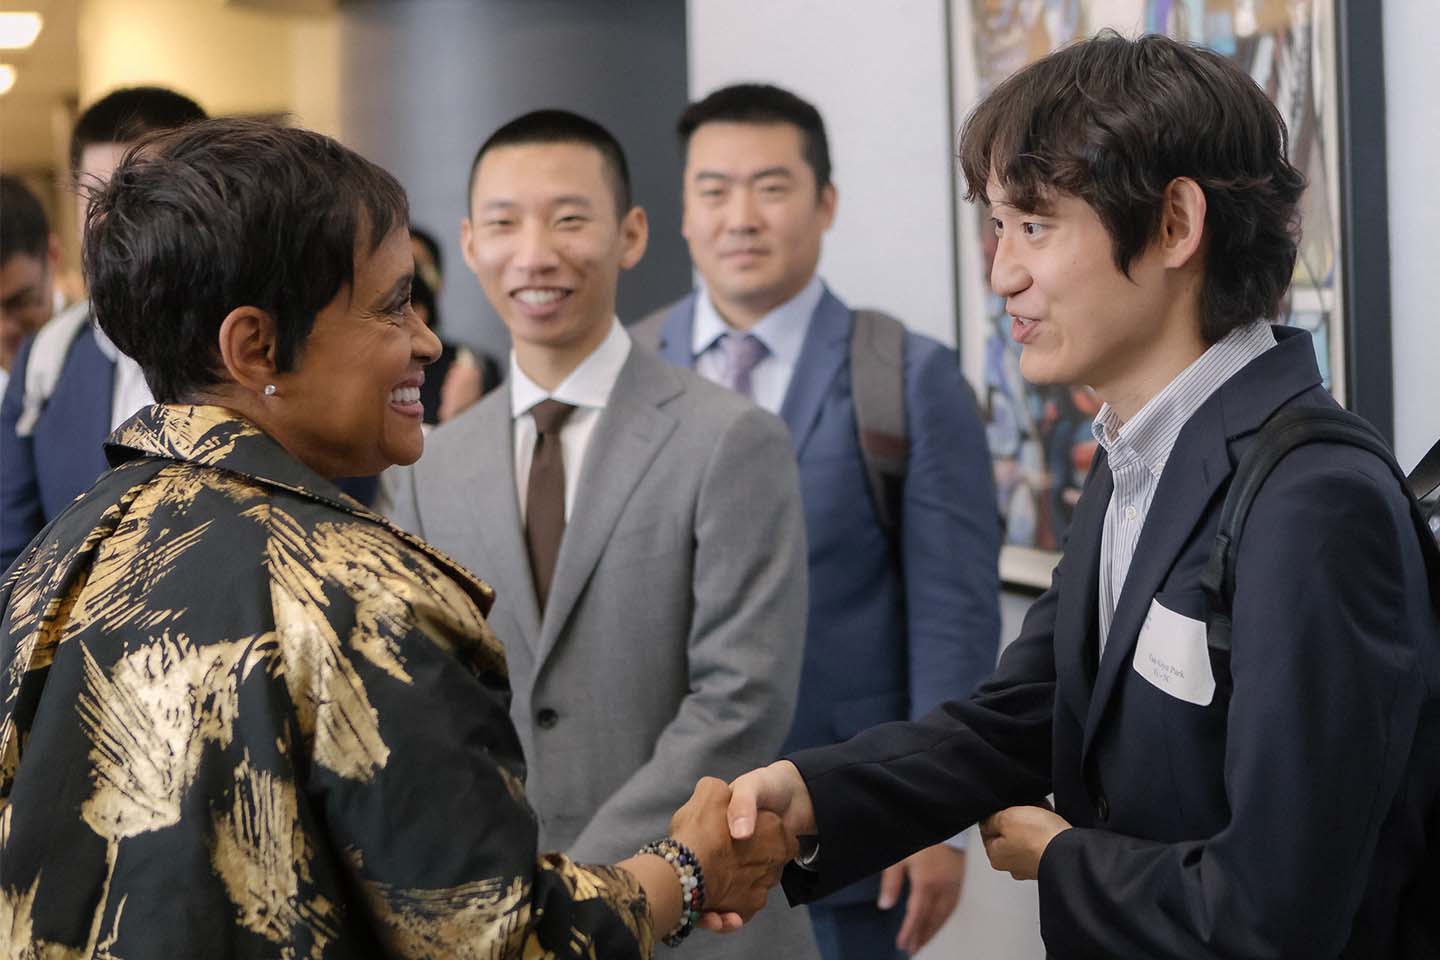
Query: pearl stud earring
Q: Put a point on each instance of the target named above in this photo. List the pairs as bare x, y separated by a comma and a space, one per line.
269, 389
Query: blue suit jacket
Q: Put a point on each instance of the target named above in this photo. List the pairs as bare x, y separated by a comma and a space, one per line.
888, 637
40, 474
1283, 819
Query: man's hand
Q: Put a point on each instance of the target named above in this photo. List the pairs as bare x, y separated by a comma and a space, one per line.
778, 788
1016, 838
936, 876
739, 872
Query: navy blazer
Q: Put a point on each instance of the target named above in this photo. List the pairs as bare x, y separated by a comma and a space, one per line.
40, 474
1286, 818
888, 637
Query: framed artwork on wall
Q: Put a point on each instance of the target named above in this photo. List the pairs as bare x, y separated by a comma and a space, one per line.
1319, 61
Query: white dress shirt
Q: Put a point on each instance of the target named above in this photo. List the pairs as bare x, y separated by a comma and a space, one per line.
588, 389
130, 393
782, 331
1136, 451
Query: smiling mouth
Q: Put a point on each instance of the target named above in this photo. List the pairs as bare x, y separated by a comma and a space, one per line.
540, 296
405, 395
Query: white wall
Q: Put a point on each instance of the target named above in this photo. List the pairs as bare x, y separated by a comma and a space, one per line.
1412, 141
880, 81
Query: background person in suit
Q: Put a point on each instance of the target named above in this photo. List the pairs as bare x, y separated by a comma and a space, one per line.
898, 623
641, 526
29, 257
460, 376
53, 422
1271, 801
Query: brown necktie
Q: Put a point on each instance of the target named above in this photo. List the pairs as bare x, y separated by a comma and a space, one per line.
545, 495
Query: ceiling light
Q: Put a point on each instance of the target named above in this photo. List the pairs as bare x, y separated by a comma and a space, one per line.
7, 78
19, 30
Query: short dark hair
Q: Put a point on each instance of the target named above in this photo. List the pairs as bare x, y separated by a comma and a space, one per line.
24, 231
766, 104
127, 114
562, 126
1113, 121
221, 214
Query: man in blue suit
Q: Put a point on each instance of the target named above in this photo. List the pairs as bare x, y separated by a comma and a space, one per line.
1279, 798
899, 621
70, 387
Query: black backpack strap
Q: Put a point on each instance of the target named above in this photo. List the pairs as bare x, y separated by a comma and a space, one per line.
1425, 484
1291, 428
877, 387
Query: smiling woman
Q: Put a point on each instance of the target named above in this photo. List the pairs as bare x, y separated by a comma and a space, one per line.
287, 712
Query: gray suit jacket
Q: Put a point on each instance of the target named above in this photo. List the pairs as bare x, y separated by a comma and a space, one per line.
672, 642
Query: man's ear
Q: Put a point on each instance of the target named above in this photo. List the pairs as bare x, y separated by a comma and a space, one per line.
467, 234
248, 348
828, 201
1182, 222
52, 254
634, 237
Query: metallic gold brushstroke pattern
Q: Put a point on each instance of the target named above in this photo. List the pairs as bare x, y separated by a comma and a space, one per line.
123, 575
261, 856
17, 909
9, 763
150, 720
484, 920
41, 602
157, 694
395, 595
616, 888
198, 434
333, 708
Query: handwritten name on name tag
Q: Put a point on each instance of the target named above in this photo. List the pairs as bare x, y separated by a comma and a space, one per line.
1172, 656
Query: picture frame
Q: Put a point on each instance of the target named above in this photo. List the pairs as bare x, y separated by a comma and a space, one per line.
1320, 62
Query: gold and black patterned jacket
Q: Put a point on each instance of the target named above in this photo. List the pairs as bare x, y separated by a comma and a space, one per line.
242, 716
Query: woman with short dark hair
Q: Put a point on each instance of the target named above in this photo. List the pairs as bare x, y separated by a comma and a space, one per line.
240, 714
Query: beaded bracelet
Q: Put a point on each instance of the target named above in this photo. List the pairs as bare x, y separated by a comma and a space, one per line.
692, 885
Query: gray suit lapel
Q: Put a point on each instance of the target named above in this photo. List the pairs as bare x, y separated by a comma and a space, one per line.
488, 509
629, 434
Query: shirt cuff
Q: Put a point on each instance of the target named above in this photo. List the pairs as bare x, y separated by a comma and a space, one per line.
809, 856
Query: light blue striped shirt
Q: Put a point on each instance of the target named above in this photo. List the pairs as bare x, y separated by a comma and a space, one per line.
1136, 451
782, 330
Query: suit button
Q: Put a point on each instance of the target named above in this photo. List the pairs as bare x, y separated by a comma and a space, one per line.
547, 718
1102, 807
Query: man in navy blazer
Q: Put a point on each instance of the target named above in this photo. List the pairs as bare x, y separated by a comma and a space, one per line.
898, 623
1278, 800
55, 418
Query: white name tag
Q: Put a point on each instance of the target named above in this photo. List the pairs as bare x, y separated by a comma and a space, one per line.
1171, 654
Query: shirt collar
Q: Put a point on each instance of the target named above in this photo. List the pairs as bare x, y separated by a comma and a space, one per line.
1152, 432
588, 385
782, 330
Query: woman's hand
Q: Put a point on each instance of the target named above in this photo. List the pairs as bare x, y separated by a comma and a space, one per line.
738, 873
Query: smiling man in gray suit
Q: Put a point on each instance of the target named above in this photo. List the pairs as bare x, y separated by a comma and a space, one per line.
641, 526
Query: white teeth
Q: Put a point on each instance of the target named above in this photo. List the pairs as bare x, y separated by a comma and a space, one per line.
538, 298
405, 395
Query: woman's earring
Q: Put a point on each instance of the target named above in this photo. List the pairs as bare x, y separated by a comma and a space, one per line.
269, 389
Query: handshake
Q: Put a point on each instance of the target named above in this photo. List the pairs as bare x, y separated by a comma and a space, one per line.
744, 834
